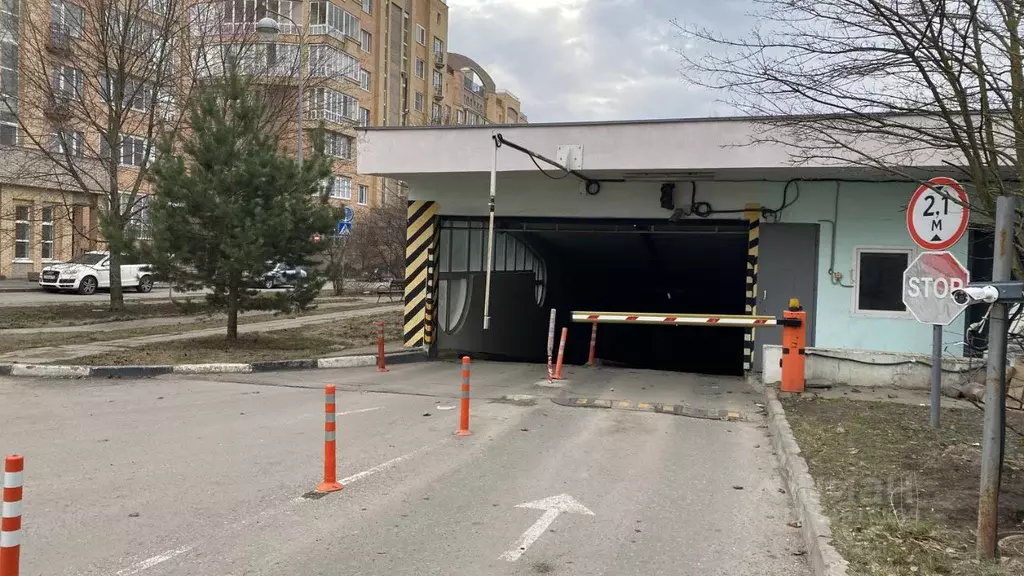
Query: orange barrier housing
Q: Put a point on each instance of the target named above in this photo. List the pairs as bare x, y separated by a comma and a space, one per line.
464, 404
10, 522
330, 483
794, 352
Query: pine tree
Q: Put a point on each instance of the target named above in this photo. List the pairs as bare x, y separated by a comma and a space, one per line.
228, 201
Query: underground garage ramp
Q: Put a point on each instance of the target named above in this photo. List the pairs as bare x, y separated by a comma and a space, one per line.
622, 266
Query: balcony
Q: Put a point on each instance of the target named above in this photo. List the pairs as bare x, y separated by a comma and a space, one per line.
58, 108
59, 41
438, 59
332, 116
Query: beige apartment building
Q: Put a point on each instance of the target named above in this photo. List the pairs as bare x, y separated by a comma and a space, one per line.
361, 62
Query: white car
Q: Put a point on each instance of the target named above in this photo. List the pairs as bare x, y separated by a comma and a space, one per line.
90, 271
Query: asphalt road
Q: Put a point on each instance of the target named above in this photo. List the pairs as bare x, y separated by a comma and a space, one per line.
39, 297
195, 477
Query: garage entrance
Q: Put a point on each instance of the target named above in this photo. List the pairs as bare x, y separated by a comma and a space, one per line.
613, 265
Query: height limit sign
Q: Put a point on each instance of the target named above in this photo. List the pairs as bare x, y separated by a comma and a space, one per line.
938, 214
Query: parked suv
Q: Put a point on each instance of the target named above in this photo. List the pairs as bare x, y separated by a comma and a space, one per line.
282, 274
90, 271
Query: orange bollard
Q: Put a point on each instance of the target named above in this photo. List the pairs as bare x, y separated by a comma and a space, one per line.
464, 405
591, 359
794, 353
561, 354
380, 348
330, 483
10, 522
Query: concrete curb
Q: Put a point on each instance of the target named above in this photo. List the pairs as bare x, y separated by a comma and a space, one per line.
52, 371
815, 527
675, 409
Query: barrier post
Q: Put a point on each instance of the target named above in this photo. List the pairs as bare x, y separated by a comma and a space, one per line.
10, 522
561, 354
591, 359
330, 483
380, 348
464, 404
794, 352
551, 343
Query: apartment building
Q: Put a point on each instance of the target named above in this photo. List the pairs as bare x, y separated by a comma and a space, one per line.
361, 62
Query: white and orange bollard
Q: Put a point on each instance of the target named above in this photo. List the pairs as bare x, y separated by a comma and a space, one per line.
561, 354
551, 345
330, 483
592, 357
380, 348
464, 404
10, 522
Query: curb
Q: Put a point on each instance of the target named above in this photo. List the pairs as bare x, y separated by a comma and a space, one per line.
815, 527
52, 371
675, 409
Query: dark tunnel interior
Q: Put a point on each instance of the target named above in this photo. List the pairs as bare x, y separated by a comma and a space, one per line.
699, 268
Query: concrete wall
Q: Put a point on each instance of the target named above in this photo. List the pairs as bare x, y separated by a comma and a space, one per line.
869, 214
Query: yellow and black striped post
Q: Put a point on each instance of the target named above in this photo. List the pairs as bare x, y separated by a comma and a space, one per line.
428, 309
752, 214
419, 237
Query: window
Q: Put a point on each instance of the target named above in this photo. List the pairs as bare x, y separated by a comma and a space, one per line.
421, 68
47, 231
132, 150
68, 142
137, 95
364, 193
68, 82
331, 19
460, 117
9, 71
368, 6
364, 79
435, 113
8, 134
9, 13
418, 102
438, 46
421, 35
338, 145
136, 215
22, 232
365, 41
239, 16
438, 81
334, 106
878, 280
341, 187
364, 117
66, 18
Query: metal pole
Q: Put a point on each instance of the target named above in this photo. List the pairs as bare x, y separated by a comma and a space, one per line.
302, 78
995, 386
490, 240
936, 373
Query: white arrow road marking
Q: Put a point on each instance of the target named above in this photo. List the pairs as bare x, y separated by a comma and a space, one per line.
552, 507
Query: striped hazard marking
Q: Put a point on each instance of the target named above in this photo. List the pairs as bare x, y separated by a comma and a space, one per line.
420, 237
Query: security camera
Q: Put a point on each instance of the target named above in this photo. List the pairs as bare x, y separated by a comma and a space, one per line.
974, 294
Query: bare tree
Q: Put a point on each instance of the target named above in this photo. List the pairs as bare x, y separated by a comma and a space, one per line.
377, 241
880, 83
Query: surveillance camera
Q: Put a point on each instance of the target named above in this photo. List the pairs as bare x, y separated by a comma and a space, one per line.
974, 294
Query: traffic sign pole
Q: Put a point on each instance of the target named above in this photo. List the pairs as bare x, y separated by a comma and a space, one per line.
936, 373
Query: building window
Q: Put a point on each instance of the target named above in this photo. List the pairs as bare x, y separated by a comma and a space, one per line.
333, 20
9, 72
460, 117
364, 117
334, 106
47, 231
438, 81
137, 95
22, 232
438, 46
328, 62
421, 68
338, 145
368, 6
341, 188
878, 280
68, 142
8, 134
418, 102
421, 35
365, 41
364, 193
132, 150
67, 18
364, 79
435, 113
136, 215
68, 82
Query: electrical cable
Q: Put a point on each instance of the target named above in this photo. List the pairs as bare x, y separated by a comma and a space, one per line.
592, 186
544, 172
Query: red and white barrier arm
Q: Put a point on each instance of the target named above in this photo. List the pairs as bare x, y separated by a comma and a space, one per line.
675, 319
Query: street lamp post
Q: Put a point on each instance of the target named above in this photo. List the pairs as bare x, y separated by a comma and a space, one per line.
269, 30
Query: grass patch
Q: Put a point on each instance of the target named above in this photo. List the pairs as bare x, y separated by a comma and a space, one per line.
296, 343
94, 312
901, 496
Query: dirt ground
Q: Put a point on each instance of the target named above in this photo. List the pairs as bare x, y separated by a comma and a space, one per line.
298, 343
902, 497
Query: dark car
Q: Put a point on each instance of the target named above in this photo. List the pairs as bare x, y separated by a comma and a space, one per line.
282, 274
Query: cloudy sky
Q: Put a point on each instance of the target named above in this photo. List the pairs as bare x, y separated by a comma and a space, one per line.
573, 60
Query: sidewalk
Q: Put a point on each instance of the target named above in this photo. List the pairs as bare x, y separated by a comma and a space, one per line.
56, 353
12, 285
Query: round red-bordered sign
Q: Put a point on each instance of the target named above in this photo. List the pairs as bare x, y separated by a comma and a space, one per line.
935, 220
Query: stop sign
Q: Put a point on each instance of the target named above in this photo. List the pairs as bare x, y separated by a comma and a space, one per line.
928, 285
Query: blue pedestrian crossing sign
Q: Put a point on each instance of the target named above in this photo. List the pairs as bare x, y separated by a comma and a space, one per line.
345, 224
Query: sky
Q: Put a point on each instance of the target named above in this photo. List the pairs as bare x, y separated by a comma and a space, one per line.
581, 60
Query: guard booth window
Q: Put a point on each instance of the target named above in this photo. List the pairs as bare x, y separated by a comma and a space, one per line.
462, 252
